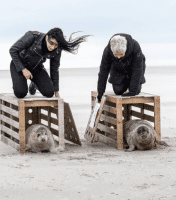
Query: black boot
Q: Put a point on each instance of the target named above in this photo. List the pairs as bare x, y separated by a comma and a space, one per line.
32, 88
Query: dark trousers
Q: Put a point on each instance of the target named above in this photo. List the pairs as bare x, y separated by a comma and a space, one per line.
40, 78
121, 88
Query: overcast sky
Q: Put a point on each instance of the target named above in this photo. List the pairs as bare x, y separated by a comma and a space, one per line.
150, 22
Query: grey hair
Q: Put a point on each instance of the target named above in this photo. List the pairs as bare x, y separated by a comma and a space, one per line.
118, 44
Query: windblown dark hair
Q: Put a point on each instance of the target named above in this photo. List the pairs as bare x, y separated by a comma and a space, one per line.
71, 45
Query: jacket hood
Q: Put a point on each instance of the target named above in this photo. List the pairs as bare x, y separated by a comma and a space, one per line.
130, 44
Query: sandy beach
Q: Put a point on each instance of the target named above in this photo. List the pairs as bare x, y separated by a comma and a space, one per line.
95, 171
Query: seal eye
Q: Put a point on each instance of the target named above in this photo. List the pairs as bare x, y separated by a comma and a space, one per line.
38, 135
139, 131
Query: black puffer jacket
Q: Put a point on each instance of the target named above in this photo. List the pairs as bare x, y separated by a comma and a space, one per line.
27, 53
131, 67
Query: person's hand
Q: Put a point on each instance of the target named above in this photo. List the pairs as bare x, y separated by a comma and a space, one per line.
57, 94
27, 74
98, 100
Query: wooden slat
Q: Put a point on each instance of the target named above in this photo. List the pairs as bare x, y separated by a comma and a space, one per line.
129, 117
119, 123
61, 124
40, 103
10, 99
144, 94
146, 106
90, 132
9, 110
104, 117
52, 109
10, 132
22, 126
52, 120
10, 142
10, 121
133, 100
157, 116
94, 94
110, 98
108, 119
107, 129
71, 133
139, 115
101, 138
109, 109
125, 113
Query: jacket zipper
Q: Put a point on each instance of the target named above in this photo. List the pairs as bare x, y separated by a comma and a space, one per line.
39, 60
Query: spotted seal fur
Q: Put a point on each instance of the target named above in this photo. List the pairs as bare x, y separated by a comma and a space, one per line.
39, 138
141, 135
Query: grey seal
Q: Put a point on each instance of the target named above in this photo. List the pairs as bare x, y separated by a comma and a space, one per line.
141, 135
39, 138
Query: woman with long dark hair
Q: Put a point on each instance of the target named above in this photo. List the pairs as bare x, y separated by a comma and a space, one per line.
28, 55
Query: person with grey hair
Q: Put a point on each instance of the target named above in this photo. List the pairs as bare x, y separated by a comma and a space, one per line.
124, 61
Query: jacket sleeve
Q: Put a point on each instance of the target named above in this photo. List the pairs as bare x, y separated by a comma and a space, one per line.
54, 71
23, 43
137, 69
103, 73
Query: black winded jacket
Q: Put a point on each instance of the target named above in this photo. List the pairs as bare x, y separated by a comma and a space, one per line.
130, 68
27, 53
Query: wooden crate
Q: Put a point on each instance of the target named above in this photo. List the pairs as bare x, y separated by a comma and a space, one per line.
117, 110
16, 115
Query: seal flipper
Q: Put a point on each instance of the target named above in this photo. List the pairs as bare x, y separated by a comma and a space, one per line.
28, 146
131, 148
162, 143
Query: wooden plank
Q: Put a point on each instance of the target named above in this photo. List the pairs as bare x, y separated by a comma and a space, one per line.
61, 124
110, 98
105, 119
133, 100
144, 94
11, 99
0, 115
39, 97
10, 110
142, 111
90, 132
52, 120
22, 125
108, 119
92, 101
10, 132
107, 129
119, 123
10, 142
94, 94
125, 113
39, 114
10, 121
40, 103
71, 133
157, 116
101, 138
109, 109
146, 117
11, 117
52, 109
49, 117
129, 116
146, 107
